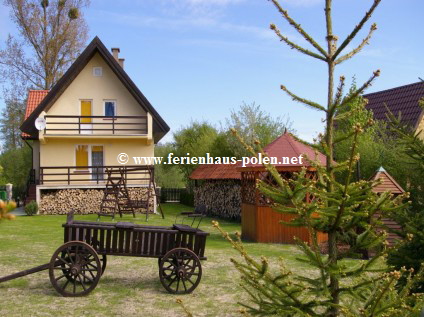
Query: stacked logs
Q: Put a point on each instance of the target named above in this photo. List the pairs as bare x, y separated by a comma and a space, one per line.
222, 198
82, 201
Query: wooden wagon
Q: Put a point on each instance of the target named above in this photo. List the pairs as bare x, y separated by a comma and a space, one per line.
76, 267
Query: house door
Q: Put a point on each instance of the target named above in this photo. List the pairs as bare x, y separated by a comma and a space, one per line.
97, 162
86, 124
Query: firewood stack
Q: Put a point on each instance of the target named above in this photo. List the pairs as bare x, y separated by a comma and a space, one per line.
82, 201
222, 197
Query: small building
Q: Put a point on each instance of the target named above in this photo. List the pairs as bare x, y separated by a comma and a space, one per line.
403, 101
217, 186
387, 183
260, 223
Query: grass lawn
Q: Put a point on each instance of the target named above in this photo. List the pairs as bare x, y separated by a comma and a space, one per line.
130, 286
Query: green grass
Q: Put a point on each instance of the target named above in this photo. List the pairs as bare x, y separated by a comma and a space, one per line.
130, 286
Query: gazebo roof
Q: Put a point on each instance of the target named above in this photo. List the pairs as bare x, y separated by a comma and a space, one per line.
216, 171
387, 182
288, 146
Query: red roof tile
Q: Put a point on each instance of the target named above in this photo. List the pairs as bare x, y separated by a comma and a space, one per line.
403, 100
216, 171
284, 146
288, 146
35, 97
388, 183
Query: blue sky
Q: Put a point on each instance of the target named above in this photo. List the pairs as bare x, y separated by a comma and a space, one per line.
198, 59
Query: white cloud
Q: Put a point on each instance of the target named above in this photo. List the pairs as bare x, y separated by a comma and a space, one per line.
209, 8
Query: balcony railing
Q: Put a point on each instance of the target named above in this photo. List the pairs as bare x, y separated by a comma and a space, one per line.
137, 174
96, 125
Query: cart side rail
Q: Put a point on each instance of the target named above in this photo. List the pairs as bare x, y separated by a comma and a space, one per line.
136, 240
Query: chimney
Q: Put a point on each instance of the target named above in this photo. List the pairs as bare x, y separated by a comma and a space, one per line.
121, 62
115, 53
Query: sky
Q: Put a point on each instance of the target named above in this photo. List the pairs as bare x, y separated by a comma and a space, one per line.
197, 60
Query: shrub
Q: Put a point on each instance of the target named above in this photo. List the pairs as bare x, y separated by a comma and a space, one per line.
31, 208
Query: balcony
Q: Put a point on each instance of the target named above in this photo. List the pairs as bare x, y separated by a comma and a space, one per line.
96, 125
91, 175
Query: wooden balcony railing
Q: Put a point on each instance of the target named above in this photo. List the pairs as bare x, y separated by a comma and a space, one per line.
95, 125
93, 174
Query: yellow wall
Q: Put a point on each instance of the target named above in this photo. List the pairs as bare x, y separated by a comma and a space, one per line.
420, 127
61, 152
97, 89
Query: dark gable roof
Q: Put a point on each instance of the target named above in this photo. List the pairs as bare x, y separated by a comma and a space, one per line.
403, 100
160, 128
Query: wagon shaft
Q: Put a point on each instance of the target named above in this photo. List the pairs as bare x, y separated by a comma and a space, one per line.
25, 272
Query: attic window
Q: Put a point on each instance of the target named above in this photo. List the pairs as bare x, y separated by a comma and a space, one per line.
97, 71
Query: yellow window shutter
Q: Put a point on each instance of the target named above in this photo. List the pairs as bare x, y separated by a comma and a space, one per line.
81, 155
97, 148
85, 111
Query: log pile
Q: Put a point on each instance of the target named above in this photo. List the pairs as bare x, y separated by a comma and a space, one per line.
82, 201
222, 198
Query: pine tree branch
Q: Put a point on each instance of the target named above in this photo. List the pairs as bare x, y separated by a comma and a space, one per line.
294, 45
356, 50
299, 29
339, 93
359, 91
302, 100
357, 28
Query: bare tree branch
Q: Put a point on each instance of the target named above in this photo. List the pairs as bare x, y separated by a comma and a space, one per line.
359, 91
302, 100
294, 45
298, 28
357, 28
355, 51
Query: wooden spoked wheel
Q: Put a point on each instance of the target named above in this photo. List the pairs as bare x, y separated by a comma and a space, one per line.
180, 271
75, 269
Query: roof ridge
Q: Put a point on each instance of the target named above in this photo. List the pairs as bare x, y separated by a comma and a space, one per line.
394, 88
293, 144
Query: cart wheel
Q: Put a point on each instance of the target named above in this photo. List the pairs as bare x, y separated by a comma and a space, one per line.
180, 271
71, 257
75, 269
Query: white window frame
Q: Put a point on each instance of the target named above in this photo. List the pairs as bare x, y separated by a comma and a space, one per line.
115, 107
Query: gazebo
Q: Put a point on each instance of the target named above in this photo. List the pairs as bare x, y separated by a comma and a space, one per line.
260, 223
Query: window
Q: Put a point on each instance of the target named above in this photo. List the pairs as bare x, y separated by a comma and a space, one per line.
89, 155
110, 108
81, 157
97, 71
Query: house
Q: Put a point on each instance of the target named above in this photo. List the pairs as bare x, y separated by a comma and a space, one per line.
403, 100
95, 118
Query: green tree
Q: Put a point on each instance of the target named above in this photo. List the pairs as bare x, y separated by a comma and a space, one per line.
339, 208
12, 117
51, 35
16, 164
195, 140
252, 123
167, 175
410, 254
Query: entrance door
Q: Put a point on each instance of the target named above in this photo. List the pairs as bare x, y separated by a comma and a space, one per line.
97, 162
86, 125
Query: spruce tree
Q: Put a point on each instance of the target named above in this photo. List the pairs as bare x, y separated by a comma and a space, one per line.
344, 209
